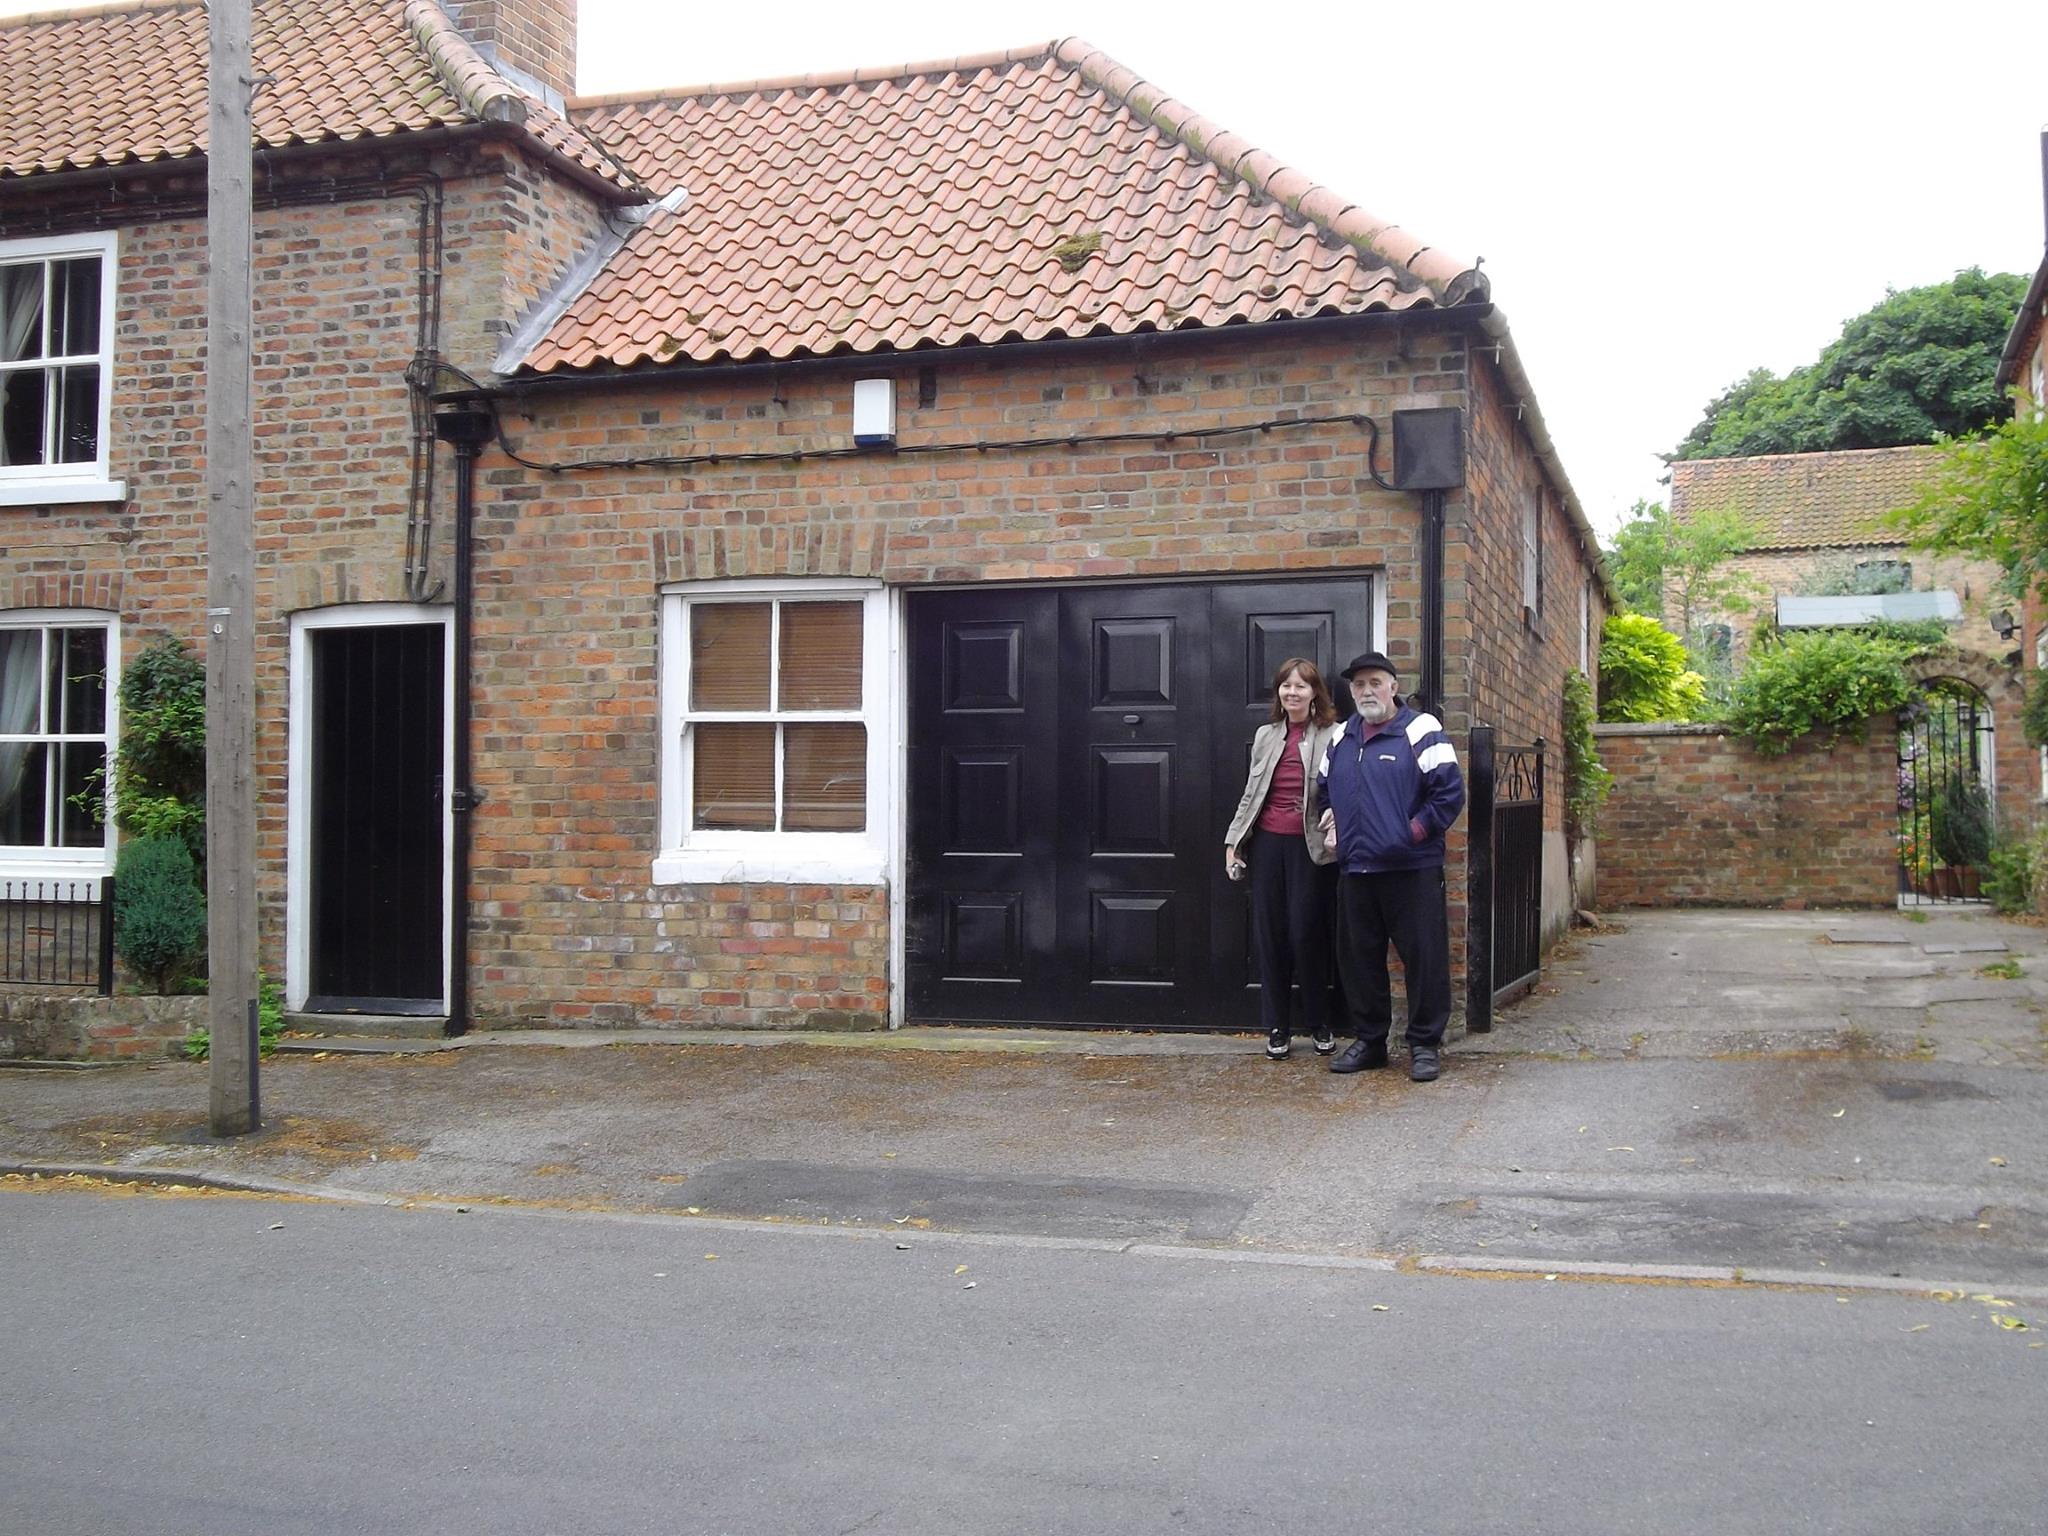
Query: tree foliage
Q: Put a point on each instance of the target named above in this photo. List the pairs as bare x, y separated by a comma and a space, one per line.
1989, 498
1643, 672
1586, 779
1919, 365
1654, 553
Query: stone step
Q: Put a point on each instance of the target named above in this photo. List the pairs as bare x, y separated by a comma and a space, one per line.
387, 1026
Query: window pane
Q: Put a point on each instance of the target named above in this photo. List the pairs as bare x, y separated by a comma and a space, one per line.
82, 654
21, 793
21, 683
21, 416
75, 286
734, 775
729, 655
78, 783
78, 414
821, 655
21, 311
825, 778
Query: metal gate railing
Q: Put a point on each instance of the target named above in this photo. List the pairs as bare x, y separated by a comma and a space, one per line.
1504, 874
1945, 802
58, 933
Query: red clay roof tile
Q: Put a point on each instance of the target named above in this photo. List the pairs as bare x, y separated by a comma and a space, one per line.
1807, 500
126, 84
1012, 196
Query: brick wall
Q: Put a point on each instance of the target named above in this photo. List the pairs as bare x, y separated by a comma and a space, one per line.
1697, 818
1786, 572
536, 37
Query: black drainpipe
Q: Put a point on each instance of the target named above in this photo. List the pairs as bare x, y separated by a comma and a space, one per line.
467, 427
1429, 457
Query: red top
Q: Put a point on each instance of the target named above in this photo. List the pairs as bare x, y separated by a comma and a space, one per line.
1283, 800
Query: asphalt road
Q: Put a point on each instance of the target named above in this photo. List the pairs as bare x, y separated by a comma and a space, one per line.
228, 1365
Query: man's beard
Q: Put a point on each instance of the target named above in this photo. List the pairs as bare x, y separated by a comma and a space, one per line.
1375, 711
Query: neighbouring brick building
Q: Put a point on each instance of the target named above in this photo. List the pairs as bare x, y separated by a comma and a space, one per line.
892, 494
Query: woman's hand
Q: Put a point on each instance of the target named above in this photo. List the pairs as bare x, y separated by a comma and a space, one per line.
1233, 866
1327, 825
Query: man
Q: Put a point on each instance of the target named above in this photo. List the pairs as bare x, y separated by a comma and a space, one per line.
1391, 786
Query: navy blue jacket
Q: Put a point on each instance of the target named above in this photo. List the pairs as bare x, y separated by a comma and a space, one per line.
1394, 794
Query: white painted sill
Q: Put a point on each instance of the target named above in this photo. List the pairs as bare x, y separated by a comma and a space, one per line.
52, 493
730, 866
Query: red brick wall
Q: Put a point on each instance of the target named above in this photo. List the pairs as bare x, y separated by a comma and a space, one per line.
535, 36
569, 926
1697, 818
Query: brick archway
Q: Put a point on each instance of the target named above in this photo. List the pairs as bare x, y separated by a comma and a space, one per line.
2016, 769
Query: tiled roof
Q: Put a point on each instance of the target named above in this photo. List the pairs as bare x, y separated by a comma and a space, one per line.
127, 84
1807, 500
1046, 192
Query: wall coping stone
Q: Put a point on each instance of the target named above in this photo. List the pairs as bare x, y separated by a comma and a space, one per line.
1658, 728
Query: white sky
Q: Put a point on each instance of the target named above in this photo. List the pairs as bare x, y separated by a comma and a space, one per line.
1667, 194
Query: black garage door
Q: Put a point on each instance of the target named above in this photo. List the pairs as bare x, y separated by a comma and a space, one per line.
1074, 758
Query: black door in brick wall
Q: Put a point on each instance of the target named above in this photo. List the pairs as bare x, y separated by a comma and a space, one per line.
377, 861
1075, 755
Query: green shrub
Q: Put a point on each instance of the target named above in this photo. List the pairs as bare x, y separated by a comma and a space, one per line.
1586, 779
1831, 681
2009, 879
1962, 830
1643, 672
159, 910
162, 763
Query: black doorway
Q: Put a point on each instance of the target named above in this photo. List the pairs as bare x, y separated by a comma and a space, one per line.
1075, 754
375, 926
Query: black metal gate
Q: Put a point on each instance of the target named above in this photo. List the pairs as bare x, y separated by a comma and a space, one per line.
1945, 804
1504, 875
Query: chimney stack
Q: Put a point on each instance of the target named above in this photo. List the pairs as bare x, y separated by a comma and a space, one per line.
534, 41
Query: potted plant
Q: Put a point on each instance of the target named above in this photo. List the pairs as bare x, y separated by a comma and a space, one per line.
1962, 831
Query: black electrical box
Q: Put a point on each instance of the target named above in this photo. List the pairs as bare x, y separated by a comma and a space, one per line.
1429, 449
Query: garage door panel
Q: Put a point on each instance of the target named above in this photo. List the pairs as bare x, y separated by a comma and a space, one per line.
1131, 809
1074, 756
980, 799
1130, 937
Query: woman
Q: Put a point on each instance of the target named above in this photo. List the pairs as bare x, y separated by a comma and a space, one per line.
1290, 866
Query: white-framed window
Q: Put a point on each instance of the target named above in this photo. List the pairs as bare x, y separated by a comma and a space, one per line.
56, 369
778, 742
59, 672
1586, 627
1532, 554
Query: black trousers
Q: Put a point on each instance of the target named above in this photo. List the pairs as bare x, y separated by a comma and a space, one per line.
1406, 907
1290, 930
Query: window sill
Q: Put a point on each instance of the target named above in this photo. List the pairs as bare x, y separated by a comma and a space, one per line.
51, 493
18, 872
768, 866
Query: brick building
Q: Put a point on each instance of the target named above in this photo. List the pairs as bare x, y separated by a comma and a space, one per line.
892, 493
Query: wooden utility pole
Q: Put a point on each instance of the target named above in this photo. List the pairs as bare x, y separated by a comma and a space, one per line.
230, 580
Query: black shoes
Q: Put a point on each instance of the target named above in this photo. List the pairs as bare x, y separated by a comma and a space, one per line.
1422, 1064
1324, 1041
1361, 1056
1277, 1045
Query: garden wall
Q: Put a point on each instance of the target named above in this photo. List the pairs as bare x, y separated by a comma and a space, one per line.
54, 1027
1698, 817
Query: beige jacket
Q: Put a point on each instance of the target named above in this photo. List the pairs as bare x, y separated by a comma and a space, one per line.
1315, 740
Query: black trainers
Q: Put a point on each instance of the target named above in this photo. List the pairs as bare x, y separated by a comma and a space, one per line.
1423, 1066
1324, 1041
1277, 1045
1361, 1056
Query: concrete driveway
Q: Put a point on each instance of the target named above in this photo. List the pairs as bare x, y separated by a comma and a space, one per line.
1793, 1096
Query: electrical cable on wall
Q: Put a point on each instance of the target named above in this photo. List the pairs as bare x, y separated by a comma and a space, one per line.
479, 391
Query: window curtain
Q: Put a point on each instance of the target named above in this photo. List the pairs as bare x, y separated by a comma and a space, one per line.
21, 316
21, 674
